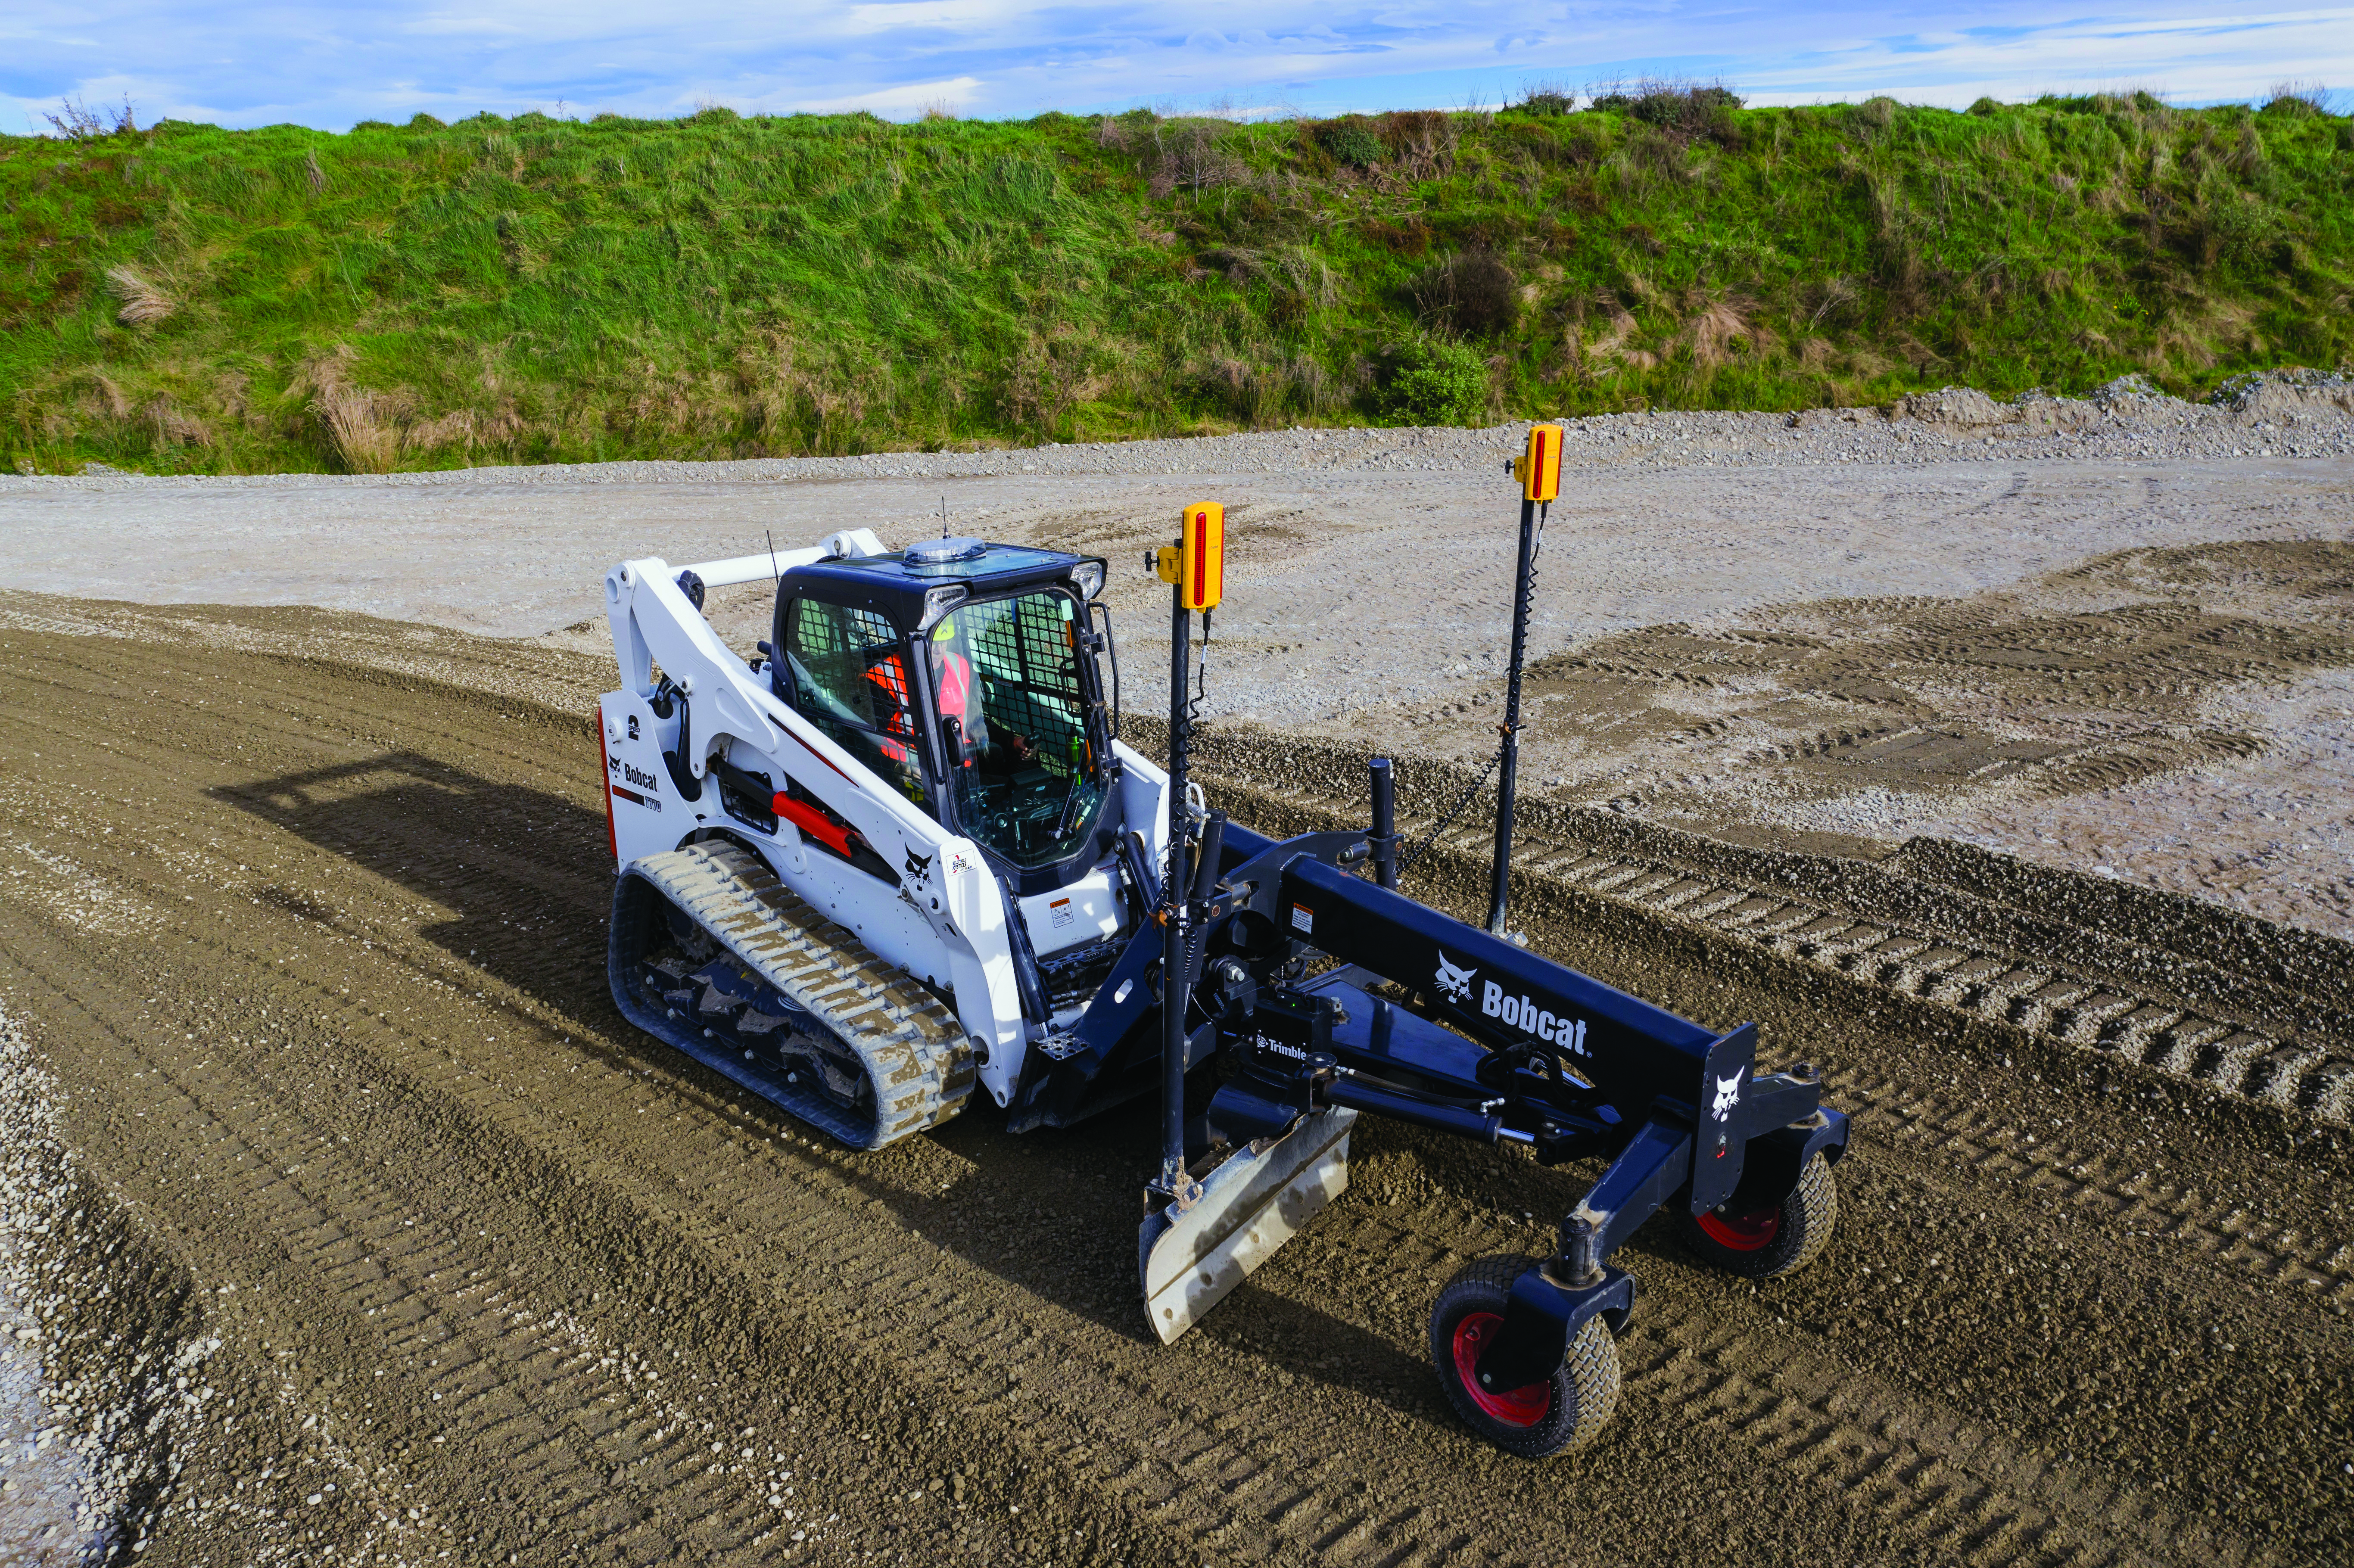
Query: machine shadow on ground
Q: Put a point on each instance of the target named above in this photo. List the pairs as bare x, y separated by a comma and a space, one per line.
522, 872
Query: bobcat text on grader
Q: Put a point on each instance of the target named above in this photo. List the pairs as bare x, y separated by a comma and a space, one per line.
902, 855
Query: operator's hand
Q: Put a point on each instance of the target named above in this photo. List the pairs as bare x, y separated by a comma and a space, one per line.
1022, 750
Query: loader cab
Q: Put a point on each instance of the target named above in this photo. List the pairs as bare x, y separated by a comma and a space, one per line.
964, 674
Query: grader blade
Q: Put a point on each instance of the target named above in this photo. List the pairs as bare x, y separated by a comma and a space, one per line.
1190, 1254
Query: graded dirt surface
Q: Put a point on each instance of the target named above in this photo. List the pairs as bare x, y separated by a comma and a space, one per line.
303, 930
2012, 788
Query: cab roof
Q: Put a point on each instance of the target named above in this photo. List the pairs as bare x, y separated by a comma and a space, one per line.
896, 585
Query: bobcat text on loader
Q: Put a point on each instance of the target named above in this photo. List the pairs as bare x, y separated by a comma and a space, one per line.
902, 856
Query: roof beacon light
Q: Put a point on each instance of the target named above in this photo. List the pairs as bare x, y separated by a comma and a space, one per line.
1197, 562
1538, 468
940, 552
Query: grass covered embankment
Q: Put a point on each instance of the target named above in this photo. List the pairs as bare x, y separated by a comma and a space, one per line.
189, 298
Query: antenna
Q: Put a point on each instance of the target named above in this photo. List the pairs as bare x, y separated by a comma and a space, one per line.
944, 516
770, 534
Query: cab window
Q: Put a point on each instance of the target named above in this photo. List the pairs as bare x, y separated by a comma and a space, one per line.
848, 674
1012, 701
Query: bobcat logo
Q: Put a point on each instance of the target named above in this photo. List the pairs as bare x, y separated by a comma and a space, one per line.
1728, 1095
1454, 981
919, 866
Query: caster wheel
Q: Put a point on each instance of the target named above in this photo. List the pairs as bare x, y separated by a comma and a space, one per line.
1567, 1411
1770, 1242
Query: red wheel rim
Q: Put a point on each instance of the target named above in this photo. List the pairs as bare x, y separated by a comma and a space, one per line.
1743, 1232
1513, 1407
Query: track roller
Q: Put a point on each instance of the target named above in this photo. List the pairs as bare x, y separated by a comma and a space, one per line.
709, 952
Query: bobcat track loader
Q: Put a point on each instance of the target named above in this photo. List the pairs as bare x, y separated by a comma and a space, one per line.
900, 857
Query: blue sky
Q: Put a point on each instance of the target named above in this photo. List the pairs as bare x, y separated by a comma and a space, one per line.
329, 64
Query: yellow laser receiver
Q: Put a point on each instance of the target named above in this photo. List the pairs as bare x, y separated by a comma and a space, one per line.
1538, 468
1196, 564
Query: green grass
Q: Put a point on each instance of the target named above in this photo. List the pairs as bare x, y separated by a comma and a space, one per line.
192, 299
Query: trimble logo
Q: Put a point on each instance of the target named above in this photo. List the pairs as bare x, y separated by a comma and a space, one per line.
1278, 1047
1523, 1013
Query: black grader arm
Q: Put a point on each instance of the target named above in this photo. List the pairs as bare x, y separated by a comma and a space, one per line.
1433, 1021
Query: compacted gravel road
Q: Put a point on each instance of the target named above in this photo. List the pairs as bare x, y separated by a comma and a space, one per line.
2109, 632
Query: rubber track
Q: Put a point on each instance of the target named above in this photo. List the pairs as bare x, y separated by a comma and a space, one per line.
911, 1044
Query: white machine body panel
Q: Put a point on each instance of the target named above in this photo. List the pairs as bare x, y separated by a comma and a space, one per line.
1086, 912
943, 921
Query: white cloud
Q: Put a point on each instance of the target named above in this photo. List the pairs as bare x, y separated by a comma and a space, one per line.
912, 99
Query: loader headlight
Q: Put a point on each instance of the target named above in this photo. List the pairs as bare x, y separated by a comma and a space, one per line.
1087, 576
939, 601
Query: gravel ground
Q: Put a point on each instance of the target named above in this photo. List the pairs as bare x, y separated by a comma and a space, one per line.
458, 1268
73, 1453
516, 551
345, 1215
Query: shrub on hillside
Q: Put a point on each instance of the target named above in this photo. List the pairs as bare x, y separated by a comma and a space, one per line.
1352, 139
1432, 383
1473, 293
1683, 111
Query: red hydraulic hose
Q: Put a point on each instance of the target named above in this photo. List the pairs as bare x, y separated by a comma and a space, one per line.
813, 822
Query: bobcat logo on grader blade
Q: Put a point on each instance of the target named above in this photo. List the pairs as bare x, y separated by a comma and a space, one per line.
1454, 981
1728, 1095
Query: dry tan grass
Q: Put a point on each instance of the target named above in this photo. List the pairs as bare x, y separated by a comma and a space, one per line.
1712, 332
143, 303
360, 426
1610, 348
1865, 362
115, 404
1571, 357
175, 426
360, 443
458, 429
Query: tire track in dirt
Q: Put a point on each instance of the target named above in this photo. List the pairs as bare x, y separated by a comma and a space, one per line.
386, 908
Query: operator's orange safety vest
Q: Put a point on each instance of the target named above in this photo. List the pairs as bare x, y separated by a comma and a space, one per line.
889, 674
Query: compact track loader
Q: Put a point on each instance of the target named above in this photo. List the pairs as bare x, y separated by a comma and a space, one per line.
901, 857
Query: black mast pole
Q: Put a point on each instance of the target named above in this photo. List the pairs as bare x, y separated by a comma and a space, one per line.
1176, 891
1507, 771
